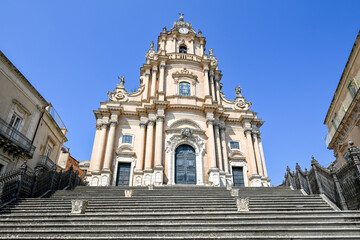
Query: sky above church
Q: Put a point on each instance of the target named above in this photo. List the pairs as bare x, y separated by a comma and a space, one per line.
287, 56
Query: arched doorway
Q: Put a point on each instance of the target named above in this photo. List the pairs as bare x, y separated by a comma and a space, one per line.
185, 165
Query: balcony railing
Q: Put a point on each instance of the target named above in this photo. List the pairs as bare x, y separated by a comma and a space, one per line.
185, 56
14, 137
341, 114
46, 162
57, 118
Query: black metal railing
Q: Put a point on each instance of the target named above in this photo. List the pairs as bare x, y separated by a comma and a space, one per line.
45, 161
341, 186
24, 182
15, 138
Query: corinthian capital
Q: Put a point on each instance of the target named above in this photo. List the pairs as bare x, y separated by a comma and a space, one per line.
210, 121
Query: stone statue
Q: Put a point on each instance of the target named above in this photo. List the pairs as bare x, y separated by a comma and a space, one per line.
122, 81
152, 45
164, 29
238, 92
211, 51
200, 33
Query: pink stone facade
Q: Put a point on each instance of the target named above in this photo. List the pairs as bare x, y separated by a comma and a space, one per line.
179, 102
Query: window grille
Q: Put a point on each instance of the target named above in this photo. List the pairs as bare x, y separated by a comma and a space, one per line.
184, 89
127, 139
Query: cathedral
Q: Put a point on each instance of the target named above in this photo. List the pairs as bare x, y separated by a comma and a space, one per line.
178, 127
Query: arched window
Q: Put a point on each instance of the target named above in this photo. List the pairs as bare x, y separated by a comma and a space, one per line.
184, 89
183, 49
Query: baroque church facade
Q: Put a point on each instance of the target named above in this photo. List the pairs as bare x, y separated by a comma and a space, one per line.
178, 127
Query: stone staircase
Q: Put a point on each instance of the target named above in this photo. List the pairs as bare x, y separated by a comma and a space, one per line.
177, 212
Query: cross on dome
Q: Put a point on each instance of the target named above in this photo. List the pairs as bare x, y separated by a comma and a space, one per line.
181, 18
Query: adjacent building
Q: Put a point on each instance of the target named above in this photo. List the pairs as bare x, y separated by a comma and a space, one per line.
30, 128
178, 127
66, 161
343, 116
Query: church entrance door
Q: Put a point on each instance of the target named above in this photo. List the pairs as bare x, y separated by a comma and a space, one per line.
123, 174
185, 165
238, 175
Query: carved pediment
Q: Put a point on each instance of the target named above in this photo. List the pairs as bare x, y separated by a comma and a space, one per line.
184, 73
185, 123
125, 149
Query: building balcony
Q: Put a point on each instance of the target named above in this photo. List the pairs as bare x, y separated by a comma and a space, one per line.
46, 162
184, 56
14, 141
341, 114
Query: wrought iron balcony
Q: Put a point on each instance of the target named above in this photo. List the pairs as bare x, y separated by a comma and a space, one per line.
14, 141
45, 161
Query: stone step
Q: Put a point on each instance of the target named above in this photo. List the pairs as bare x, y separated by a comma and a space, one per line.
211, 236
174, 225
195, 231
182, 214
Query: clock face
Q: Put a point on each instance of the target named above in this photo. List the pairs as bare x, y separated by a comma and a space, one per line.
183, 30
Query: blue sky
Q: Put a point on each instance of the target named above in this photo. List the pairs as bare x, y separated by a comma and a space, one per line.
287, 56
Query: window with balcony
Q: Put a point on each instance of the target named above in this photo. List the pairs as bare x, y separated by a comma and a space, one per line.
183, 49
15, 121
184, 89
127, 139
352, 88
235, 145
336, 121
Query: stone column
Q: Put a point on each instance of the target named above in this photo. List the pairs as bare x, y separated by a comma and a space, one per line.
206, 82
153, 81
141, 148
109, 146
214, 177
251, 161
161, 81
213, 94
217, 89
146, 90
149, 144
218, 147
257, 154
224, 149
159, 140
262, 156
100, 152
106, 171
158, 167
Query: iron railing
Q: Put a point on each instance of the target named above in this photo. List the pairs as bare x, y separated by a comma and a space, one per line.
46, 162
24, 182
14, 137
341, 186
57, 118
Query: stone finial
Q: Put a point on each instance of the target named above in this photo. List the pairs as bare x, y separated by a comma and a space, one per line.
234, 192
242, 204
332, 167
287, 169
298, 168
128, 193
306, 171
238, 92
164, 29
313, 160
211, 51
152, 45
79, 206
181, 18
200, 33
